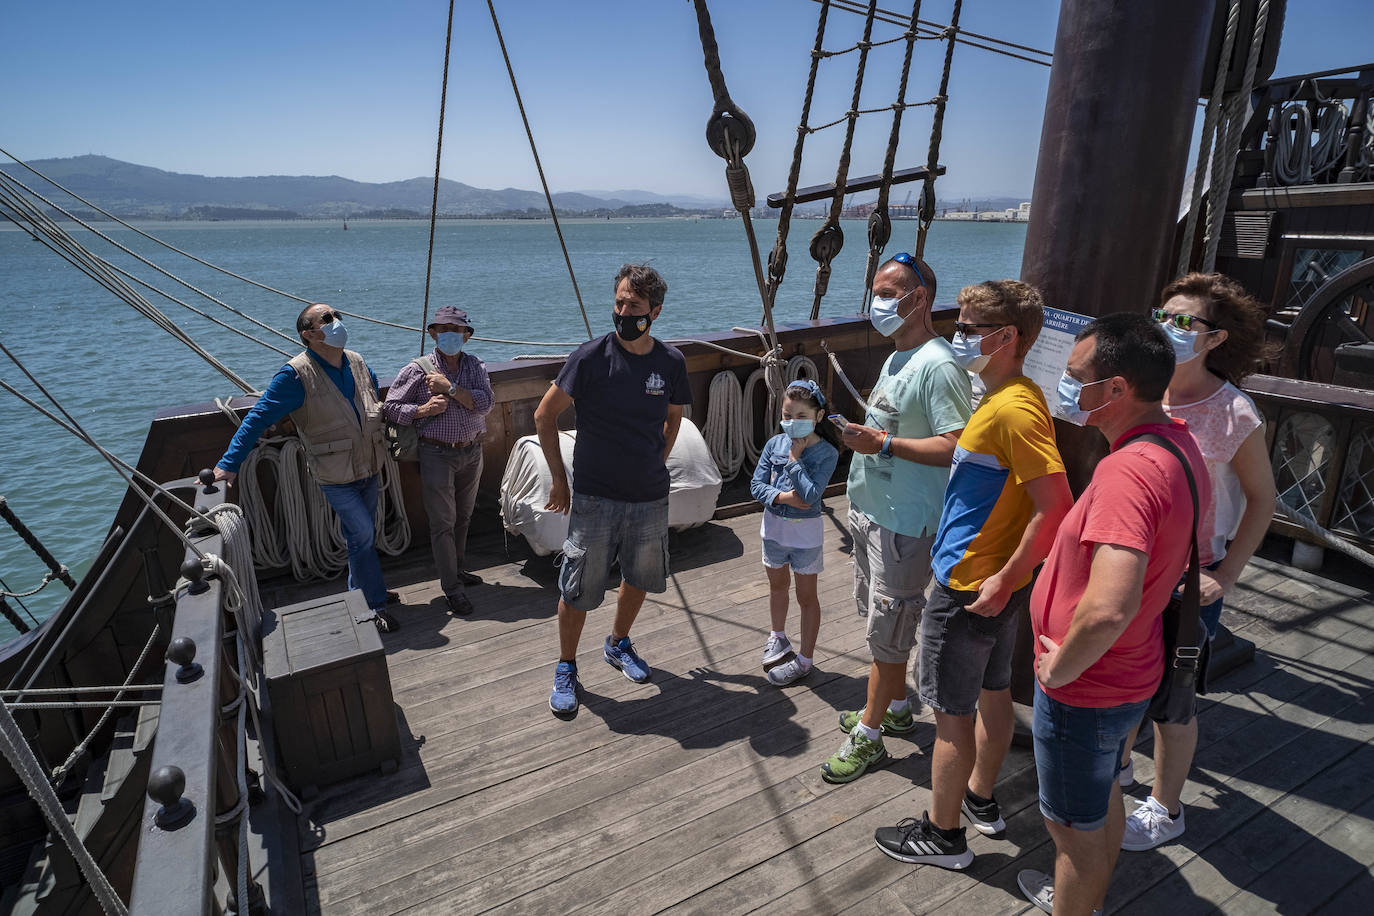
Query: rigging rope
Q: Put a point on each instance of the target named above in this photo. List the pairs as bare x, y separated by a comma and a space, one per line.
60, 773
1224, 161
133, 254
26, 766
1209, 126
936, 133
553, 212
829, 238
117, 286
935, 30
438, 154
879, 221
777, 259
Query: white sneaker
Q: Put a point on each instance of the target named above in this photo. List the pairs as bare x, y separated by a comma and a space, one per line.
1038, 888
1125, 777
1150, 825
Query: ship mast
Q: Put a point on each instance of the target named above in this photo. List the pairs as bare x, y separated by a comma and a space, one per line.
1114, 150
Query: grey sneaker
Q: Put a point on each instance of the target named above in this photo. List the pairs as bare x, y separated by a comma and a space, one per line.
1150, 825
776, 650
1038, 888
789, 672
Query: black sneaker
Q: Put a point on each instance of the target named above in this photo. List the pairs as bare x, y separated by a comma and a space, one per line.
385, 622
986, 817
916, 842
458, 605
393, 597
468, 578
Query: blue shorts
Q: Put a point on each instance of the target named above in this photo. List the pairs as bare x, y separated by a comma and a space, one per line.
602, 531
805, 561
1077, 753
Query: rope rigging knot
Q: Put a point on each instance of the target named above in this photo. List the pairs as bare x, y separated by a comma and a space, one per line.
741, 188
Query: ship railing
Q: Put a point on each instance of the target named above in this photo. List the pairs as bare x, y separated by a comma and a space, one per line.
1309, 130
1321, 448
197, 796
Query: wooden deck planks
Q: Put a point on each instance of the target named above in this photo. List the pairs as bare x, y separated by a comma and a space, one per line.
701, 791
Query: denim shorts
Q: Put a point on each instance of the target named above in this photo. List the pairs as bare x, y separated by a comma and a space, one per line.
1077, 753
962, 653
602, 531
805, 561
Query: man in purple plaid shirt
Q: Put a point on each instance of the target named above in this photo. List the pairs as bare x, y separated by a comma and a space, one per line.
446, 395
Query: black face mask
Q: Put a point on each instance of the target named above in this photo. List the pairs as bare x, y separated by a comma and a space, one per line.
631, 327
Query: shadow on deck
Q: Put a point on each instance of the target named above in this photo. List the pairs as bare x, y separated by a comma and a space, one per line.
701, 791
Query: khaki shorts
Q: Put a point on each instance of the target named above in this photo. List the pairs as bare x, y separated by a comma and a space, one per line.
891, 572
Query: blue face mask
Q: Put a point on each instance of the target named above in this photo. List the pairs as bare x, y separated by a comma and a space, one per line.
1183, 341
449, 342
335, 334
1070, 390
883, 314
799, 429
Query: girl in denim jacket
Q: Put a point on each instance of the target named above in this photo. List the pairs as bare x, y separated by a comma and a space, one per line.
793, 470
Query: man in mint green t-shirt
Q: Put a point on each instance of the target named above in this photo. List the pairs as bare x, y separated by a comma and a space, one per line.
916, 412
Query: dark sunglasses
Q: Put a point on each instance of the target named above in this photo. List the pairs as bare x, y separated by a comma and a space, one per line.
962, 328
328, 318
903, 257
1182, 322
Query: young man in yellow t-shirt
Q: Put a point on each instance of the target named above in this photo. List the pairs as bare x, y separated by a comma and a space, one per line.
1006, 495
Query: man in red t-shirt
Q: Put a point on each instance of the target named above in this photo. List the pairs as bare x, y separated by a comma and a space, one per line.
1096, 607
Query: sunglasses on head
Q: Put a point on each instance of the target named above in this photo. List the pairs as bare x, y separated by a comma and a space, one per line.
1181, 321
904, 257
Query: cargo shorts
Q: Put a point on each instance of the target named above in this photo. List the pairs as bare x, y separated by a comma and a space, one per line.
891, 572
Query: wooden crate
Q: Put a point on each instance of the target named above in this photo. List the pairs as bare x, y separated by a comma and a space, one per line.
330, 691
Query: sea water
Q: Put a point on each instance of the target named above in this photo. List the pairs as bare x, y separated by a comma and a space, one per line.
112, 369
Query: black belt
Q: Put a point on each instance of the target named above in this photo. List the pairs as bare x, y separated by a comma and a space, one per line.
440, 443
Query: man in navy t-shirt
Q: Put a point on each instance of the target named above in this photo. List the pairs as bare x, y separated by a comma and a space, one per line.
629, 390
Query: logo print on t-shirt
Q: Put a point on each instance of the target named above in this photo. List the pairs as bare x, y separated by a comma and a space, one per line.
653, 384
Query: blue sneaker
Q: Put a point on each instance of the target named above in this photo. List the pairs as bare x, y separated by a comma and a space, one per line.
622, 655
563, 700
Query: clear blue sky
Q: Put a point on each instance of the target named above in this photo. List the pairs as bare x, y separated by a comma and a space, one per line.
615, 89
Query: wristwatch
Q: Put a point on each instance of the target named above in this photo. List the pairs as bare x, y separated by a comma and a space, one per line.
886, 450
452, 389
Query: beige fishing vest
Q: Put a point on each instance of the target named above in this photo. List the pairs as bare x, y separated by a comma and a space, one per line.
337, 448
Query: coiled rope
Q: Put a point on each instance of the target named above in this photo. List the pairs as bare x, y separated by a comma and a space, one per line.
1297, 158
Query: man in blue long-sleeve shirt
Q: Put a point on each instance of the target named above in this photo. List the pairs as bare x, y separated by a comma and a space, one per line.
331, 396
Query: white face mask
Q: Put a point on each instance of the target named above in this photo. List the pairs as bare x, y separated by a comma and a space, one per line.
883, 314
968, 352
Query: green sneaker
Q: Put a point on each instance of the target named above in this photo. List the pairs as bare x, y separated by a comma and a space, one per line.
854, 757
894, 723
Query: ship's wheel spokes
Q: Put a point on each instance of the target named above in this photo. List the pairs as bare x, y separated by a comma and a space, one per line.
1327, 340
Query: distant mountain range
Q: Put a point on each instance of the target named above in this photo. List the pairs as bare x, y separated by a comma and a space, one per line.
130, 190
140, 191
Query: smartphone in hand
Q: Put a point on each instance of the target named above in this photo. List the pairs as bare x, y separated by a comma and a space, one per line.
838, 420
